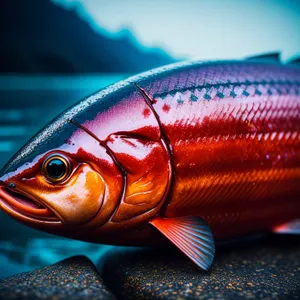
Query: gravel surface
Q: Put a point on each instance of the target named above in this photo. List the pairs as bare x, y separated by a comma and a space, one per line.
73, 278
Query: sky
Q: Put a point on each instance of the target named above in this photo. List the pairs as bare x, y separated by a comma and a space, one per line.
201, 29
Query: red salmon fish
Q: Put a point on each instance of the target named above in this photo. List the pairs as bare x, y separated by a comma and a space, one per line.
188, 153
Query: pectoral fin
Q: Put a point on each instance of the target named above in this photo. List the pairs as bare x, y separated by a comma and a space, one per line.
191, 235
292, 227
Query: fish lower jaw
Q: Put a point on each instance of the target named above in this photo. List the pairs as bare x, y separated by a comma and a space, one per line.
25, 208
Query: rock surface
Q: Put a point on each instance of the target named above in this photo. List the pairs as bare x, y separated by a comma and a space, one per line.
266, 269
73, 278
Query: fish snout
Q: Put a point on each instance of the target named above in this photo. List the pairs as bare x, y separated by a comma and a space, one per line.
21, 205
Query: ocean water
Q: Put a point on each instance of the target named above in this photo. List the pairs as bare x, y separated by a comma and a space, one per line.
27, 103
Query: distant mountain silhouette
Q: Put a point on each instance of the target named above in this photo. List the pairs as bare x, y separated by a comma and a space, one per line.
38, 36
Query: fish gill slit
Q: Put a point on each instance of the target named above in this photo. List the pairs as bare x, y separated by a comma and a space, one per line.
164, 140
111, 154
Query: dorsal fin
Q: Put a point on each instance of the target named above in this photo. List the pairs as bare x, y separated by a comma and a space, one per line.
272, 56
294, 61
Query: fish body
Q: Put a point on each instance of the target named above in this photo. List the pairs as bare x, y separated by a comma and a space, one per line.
197, 150
234, 130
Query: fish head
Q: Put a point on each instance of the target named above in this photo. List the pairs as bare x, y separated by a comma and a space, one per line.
68, 182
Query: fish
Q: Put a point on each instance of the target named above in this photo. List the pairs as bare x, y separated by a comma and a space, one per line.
187, 154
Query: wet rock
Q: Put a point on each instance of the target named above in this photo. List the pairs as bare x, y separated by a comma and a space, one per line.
73, 278
268, 269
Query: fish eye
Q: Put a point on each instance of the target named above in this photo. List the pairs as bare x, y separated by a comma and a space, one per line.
56, 168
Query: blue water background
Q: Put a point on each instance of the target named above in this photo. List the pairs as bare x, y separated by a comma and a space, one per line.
27, 103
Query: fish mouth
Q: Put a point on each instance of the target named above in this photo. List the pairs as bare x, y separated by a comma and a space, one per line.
20, 205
